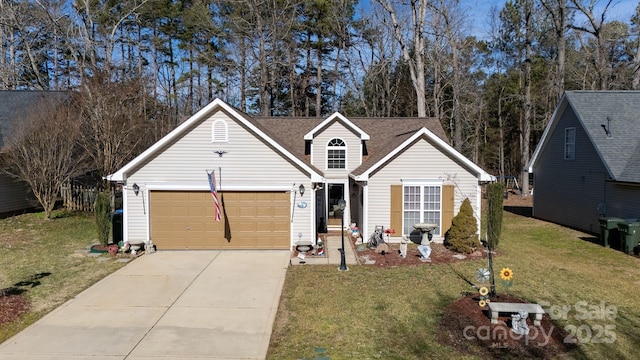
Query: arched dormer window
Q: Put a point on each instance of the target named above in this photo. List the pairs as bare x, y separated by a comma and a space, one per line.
336, 154
219, 131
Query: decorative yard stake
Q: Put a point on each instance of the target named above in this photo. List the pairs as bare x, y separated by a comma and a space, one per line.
507, 278
482, 275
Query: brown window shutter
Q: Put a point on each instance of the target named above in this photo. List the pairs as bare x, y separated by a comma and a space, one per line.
447, 207
395, 212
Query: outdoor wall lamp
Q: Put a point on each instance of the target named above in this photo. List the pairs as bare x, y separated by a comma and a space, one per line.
342, 204
301, 190
136, 189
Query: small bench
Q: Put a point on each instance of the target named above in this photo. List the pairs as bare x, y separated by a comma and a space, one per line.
502, 307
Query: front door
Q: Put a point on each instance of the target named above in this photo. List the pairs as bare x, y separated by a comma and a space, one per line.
321, 211
335, 194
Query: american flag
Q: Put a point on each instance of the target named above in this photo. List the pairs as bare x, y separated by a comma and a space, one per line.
214, 193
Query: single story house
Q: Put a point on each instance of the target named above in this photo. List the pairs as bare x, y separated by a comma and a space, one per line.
15, 195
280, 179
587, 163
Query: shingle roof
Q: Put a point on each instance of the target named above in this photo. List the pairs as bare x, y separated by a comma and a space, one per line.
386, 133
286, 135
621, 150
14, 105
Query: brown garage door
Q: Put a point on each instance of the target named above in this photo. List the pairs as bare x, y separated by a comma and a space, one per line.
185, 220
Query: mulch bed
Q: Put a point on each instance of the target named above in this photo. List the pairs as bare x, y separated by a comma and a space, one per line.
439, 255
12, 305
467, 327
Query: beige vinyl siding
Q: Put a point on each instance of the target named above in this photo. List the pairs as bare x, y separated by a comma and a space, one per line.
420, 161
568, 191
13, 195
248, 163
353, 149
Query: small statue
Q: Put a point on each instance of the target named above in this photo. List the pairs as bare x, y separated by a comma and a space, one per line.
403, 248
519, 323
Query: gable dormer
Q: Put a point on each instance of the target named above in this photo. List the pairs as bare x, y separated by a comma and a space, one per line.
336, 116
336, 145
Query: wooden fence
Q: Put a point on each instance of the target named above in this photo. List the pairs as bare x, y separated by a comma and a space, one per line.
78, 197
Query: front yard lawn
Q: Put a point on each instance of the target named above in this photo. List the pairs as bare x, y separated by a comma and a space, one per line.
371, 312
46, 263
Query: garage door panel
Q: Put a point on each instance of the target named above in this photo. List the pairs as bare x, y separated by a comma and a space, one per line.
249, 226
177, 211
196, 210
214, 226
185, 219
265, 211
196, 226
247, 211
232, 211
163, 212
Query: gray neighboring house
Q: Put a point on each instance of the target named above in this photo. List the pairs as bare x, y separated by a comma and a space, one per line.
587, 164
15, 196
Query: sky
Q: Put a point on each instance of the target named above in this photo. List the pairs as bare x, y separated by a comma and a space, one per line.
480, 11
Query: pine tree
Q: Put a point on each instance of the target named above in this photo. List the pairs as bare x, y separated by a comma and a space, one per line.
463, 234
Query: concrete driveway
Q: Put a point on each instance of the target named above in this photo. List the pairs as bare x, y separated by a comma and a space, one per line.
166, 305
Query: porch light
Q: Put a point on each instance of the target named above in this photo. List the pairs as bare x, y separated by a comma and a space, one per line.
342, 204
136, 189
301, 190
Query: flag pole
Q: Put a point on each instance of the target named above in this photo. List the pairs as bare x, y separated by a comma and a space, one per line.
293, 208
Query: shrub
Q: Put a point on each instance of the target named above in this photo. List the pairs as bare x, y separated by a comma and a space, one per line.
462, 236
103, 217
495, 193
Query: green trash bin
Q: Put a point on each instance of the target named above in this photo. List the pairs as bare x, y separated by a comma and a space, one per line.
629, 235
609, 230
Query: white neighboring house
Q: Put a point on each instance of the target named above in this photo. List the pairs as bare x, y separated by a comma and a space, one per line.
392, 172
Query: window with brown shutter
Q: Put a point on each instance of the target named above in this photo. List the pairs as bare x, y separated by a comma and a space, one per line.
422, 205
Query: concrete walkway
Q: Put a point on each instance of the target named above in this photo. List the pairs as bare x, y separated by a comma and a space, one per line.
166, 305
332, 253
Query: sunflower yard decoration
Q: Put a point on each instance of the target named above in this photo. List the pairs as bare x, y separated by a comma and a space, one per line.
506, 275
484, 296
482, 276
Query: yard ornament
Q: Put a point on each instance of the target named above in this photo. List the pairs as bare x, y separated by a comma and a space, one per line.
519, 323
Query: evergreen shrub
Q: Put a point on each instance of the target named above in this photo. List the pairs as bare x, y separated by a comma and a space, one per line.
463, 235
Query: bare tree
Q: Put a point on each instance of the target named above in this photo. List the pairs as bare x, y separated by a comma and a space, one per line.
635, 29
558, 11
114, 127
410, 35
525, 126
595, 26
44, 151
450, 76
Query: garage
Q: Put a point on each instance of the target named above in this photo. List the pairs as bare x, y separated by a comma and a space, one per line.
181, 220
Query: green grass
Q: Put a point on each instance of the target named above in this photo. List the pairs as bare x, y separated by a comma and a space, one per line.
377, 313
46, 261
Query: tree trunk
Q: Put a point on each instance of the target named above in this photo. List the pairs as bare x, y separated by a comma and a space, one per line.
525, 131
319, 81
413, 53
